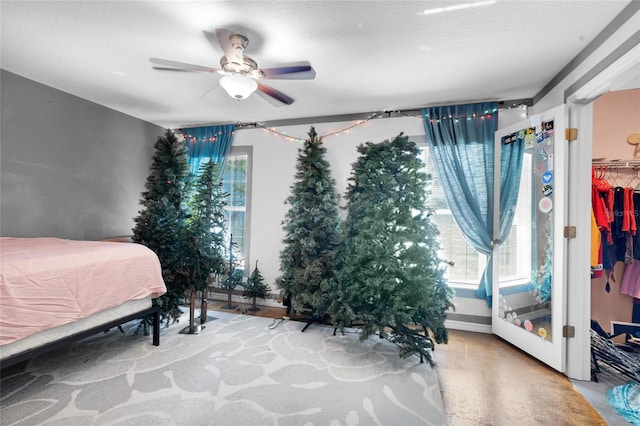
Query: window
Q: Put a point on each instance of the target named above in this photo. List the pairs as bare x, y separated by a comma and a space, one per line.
468, 264
515, 252
236, 181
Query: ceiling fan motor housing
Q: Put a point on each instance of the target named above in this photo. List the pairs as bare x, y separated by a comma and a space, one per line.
238, 41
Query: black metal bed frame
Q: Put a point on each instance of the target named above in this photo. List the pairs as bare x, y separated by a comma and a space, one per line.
65, 341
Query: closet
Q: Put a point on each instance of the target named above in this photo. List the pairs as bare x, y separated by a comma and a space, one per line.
615, 254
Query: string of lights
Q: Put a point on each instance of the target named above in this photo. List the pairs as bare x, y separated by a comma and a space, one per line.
323, 137
191, 138
382, 114
373, 116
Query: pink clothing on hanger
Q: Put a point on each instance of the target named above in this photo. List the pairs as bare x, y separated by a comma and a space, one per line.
631, 280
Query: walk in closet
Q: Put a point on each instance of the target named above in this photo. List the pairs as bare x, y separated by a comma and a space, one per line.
615, 235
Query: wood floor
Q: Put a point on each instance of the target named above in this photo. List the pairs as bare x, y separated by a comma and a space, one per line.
486, 381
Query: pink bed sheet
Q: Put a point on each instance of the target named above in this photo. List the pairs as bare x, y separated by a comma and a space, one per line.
48, 282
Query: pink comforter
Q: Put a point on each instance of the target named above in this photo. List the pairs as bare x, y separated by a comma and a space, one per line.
48, 282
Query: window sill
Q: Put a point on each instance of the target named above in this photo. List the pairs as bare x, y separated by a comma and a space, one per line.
468, 291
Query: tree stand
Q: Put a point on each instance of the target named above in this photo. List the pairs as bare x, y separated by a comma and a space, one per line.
311, 320
204, 304
229, 305
253, 307
192, 328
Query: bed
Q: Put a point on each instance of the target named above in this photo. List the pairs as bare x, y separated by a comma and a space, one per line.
54, 291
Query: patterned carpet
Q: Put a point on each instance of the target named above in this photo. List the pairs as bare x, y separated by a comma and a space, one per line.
239, 370
625, 399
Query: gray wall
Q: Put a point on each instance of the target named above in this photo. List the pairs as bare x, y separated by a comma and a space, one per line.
69, 168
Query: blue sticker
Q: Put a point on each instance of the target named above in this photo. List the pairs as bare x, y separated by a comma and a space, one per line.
547, 177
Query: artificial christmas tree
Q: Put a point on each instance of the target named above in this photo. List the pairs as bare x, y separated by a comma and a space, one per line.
255, 287
310, 259
394, 277
232, 276
162, 221
206, 230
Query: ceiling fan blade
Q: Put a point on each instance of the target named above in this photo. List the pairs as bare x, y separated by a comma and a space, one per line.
224, 39
296, 71
273, 96
180, 66
172, 69
216, 42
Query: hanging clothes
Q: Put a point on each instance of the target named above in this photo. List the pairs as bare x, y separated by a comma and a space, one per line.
602, 210
596, 244
631, 280
624, 227
636, 215
602, 200
616, 212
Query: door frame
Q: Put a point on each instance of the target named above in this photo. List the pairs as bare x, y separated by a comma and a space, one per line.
579, 103
578, 248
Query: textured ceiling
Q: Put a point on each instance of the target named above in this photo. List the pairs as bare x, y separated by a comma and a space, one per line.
368, 55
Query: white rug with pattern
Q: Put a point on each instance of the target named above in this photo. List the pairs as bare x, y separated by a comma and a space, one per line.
239, 370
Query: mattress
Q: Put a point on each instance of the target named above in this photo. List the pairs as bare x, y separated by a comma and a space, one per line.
46, 283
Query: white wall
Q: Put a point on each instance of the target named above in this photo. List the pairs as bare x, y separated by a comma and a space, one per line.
274, 168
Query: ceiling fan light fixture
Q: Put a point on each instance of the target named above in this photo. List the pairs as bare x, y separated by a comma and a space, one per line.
238, 86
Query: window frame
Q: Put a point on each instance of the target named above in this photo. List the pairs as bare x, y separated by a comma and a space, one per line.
524, 276
248, 152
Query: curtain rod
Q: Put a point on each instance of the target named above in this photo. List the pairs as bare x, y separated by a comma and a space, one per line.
502, 105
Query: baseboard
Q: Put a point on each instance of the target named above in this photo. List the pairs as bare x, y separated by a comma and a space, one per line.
236, 297
270, 302
468, 326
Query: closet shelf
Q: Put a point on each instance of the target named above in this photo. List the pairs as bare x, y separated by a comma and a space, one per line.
616, 163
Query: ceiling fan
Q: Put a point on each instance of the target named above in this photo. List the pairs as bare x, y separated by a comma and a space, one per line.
241, 75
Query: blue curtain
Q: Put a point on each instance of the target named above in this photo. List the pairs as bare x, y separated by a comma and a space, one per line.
208, 143
461, 142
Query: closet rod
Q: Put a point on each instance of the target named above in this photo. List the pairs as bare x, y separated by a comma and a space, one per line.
617, 163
